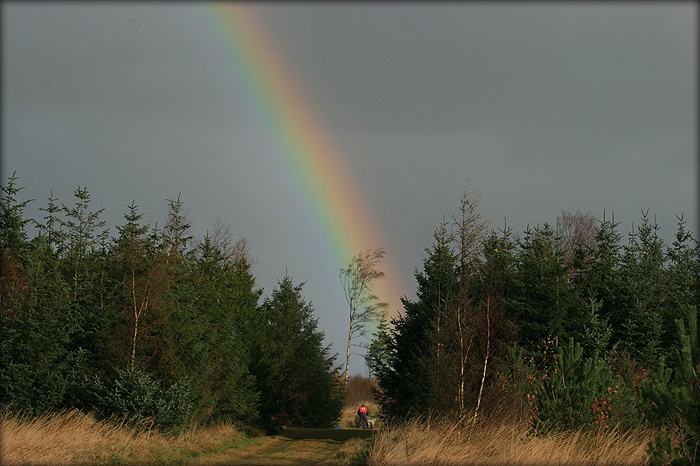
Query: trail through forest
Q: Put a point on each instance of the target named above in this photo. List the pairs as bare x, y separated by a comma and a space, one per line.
294, 447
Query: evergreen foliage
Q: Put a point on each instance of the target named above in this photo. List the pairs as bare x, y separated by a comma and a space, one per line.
298, 384
592, 321
641, 327
574, 392
402, 357
138, 396
148, 324
597, 322
544, 297
572, 329
672, 399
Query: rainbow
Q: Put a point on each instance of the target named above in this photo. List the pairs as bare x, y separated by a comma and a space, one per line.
338, 211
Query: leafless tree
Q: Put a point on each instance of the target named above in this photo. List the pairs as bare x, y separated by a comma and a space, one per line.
365, 307
574, 229
232, 250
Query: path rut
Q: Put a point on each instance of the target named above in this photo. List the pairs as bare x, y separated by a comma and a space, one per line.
315, 447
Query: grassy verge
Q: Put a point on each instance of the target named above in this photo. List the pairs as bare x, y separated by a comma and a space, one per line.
502, 444
75, 438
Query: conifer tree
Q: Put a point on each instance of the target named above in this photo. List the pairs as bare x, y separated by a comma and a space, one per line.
680, 286
83, 259
13, 247
414, 346
40, 368
544, 295
299, 385
574, 392
494, 327
640, 332
19, 325
176, 231
226, 387
13, 233
596, 321
139, 265
672, 400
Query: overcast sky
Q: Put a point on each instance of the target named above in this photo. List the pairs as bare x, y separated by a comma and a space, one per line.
541, 107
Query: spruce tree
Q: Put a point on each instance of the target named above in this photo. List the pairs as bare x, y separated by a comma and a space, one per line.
225, 386
597, 321
641, 327
680, 286
83, 259
408, 380
140, 271
544, 296
297, 380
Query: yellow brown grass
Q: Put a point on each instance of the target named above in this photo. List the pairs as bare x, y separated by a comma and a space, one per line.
443, 444
76, 438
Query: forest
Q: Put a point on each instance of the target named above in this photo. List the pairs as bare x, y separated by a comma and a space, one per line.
566, 325
151, 324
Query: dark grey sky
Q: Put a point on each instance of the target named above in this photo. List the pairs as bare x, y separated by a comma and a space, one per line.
542, 107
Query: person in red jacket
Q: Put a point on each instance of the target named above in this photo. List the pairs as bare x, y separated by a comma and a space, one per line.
363, 412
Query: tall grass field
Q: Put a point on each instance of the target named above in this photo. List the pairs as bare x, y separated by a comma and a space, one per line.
444, 443
72, 438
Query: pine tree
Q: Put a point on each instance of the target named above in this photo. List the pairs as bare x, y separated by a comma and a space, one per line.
226, 388
544, 296
672, 400
575, 392
299, 385
140, 270
83, 257
640, 332
408, 379
680, 286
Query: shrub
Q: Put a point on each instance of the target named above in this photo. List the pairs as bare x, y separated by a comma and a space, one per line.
137, 395
574, 392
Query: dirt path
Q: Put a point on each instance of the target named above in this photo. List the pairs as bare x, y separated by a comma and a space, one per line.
293, 447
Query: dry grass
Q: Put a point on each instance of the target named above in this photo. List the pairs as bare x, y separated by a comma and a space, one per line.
74, 438
447, 444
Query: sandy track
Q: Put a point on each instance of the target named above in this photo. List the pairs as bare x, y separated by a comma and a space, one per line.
282, 450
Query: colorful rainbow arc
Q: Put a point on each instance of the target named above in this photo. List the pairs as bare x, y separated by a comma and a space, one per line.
317, 166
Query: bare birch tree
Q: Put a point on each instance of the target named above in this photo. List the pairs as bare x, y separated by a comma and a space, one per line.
358, 280
470, 230
575, 229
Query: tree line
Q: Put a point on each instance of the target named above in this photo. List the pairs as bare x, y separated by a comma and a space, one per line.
150, 323
564, 325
